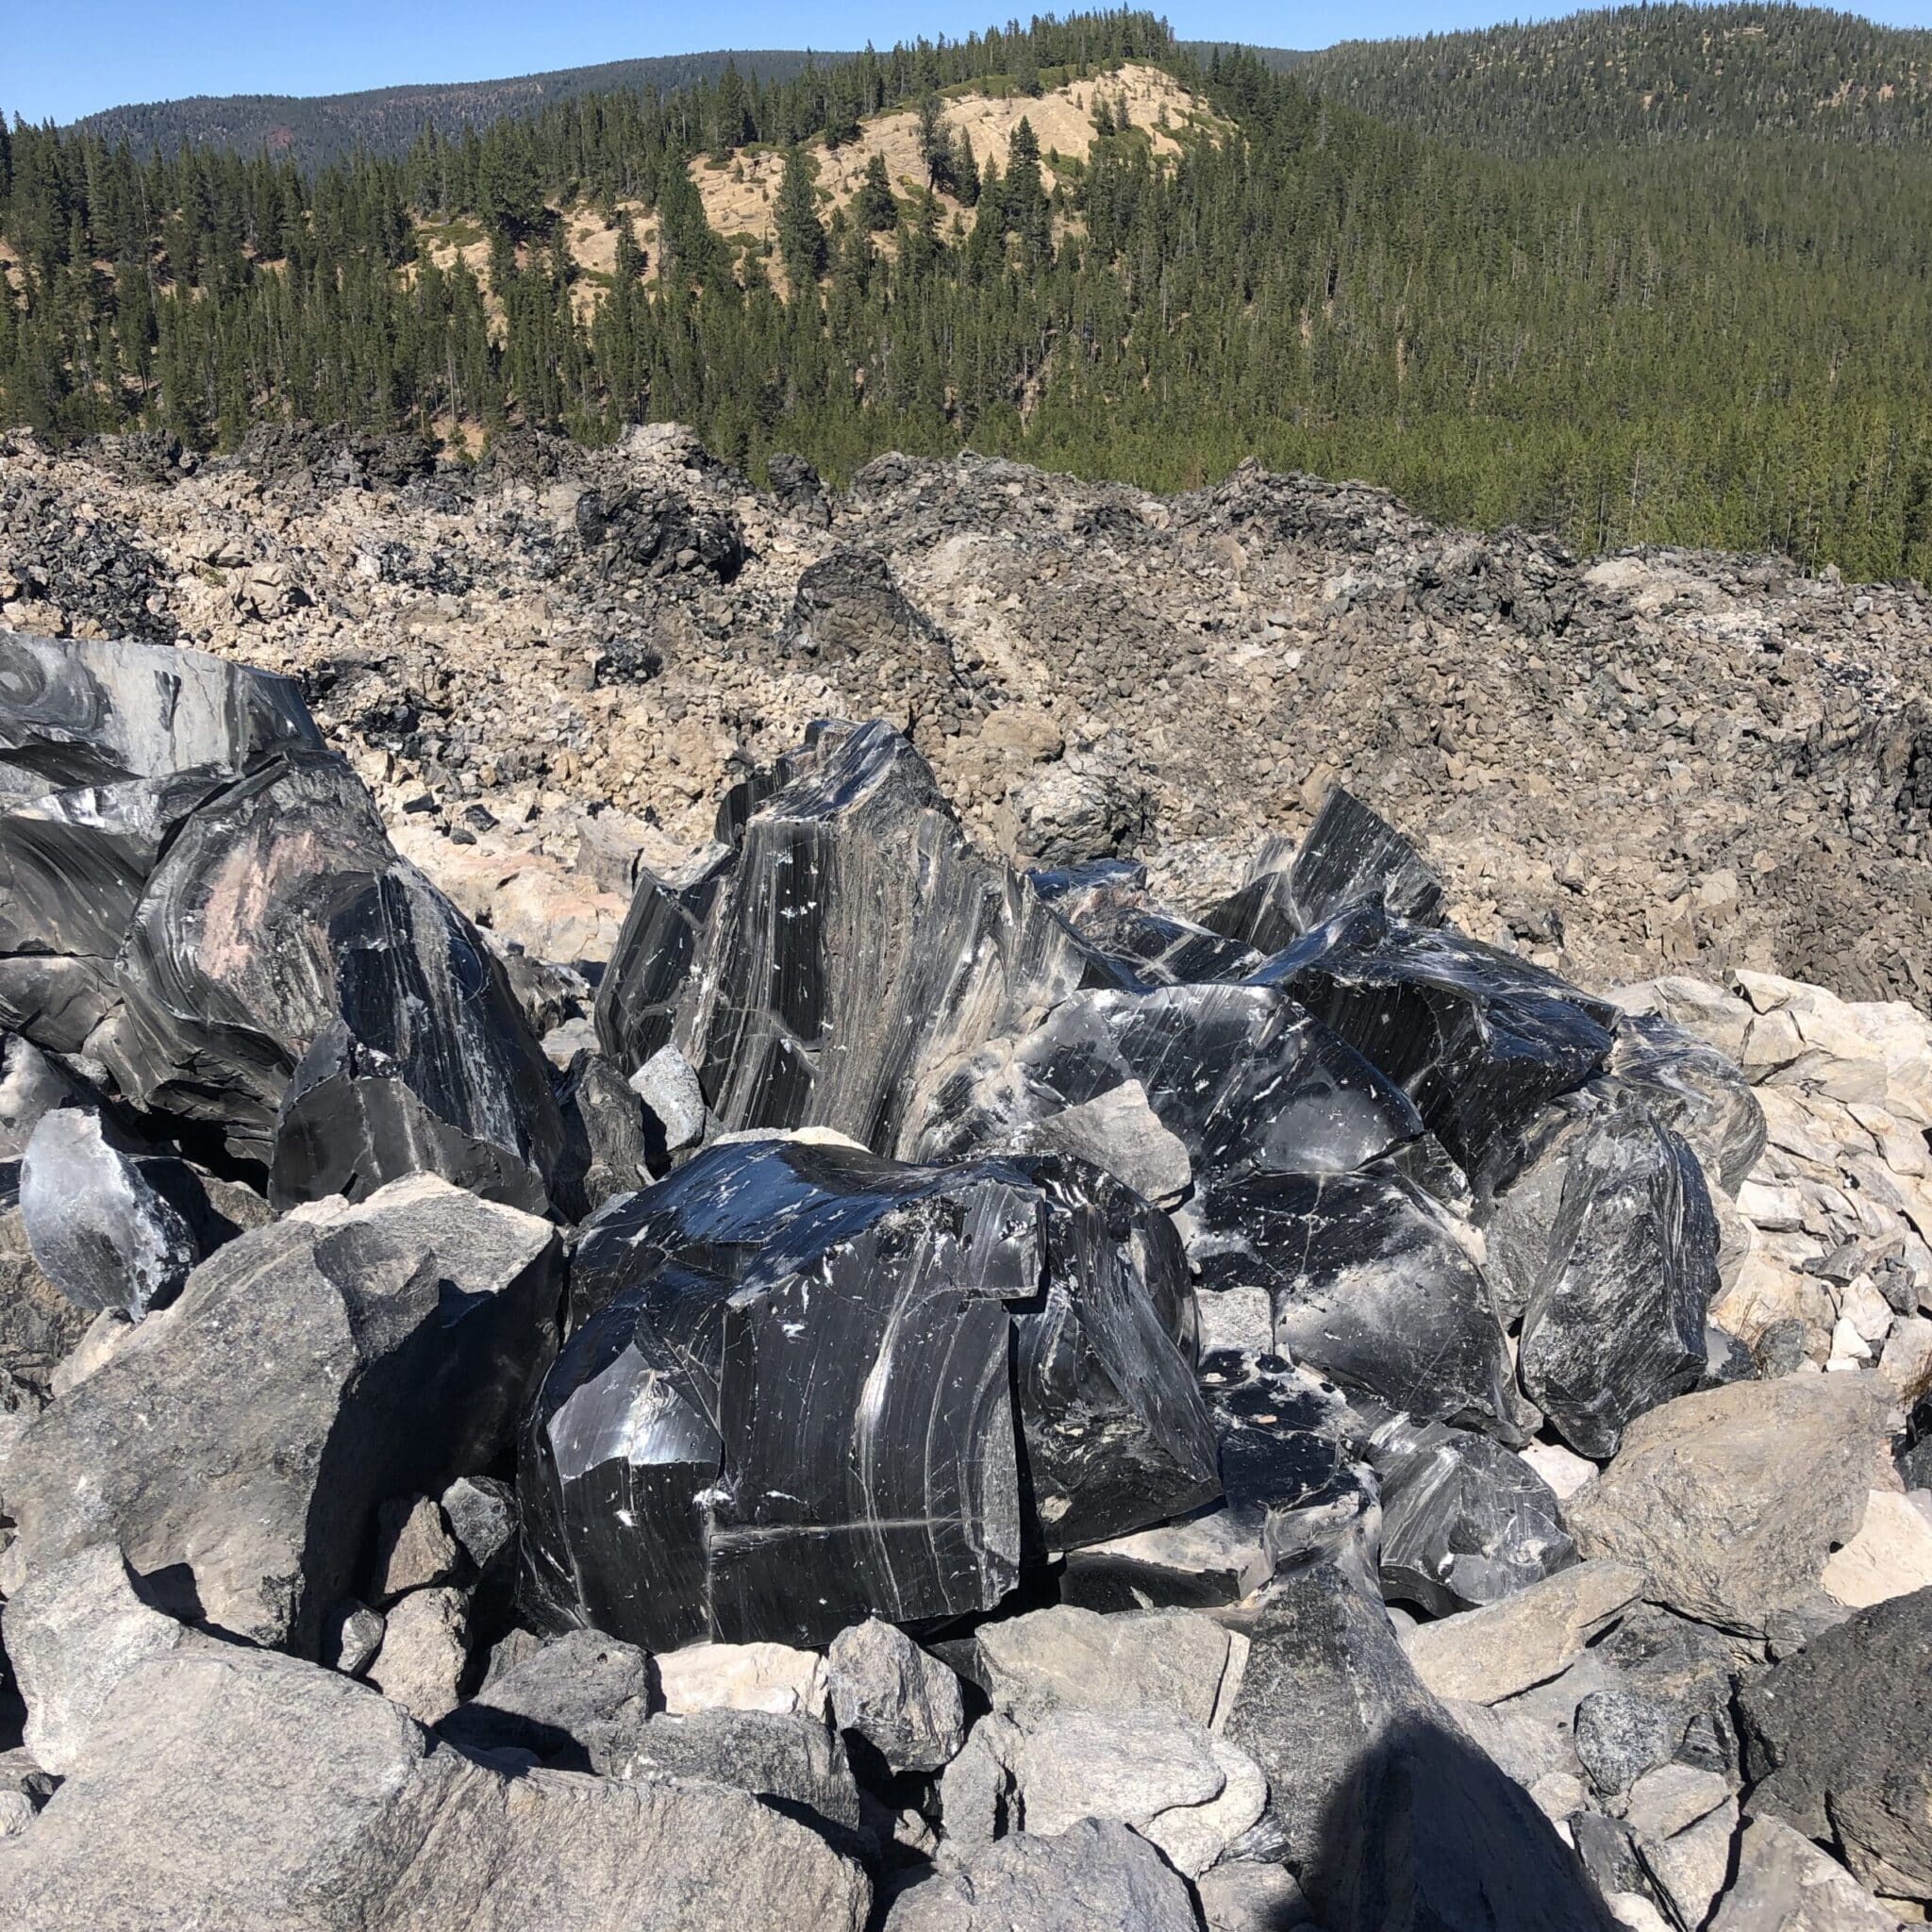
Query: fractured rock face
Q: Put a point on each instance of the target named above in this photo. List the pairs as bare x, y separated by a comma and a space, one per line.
1464, 1523
1480, 1040
792, 1391
238, 1443
211, 907
1368, 1282
104, 1232
1238, 1074
1616, 1323
845, 958
1349, 857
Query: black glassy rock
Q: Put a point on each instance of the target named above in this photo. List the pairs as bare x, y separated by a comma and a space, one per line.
850, 951
1350, 858
212, 903
1694, 1090
1615, 1324
1240, 1074
1477, 1038
1463, 1521
104, 750
1367, 1280
806, 1384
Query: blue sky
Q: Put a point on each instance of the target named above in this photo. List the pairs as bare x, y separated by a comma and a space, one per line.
67, 57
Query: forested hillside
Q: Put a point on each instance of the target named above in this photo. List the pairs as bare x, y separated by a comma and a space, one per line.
1724, 342
315, 130
1645, 73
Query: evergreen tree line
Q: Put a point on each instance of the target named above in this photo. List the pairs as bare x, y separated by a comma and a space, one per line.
1726, 343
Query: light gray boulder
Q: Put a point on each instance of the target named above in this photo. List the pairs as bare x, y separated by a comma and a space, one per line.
251, 1791
237, 1445
71, 1635
1786, 1884
905, 1702
425, 1650
1733, 1499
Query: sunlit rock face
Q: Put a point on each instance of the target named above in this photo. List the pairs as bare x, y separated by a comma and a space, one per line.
199, 898
805, 1383
842, 956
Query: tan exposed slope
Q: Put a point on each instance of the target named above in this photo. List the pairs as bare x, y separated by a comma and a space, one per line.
740, 197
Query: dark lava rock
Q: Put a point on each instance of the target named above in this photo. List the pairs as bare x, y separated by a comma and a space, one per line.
1240, 1074
605, 1147
850, 953
104, 1223
1368, 1282
798, 489
806, 1384
849, 607
640, 534
1616, 1324
789, 1759
1293, 1492
207, 902
1694, 1090
1840, 1741
1349, 857
1464, 1522
1478, 1039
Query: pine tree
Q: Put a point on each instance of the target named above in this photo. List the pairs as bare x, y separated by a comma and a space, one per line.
875, 208
801, 234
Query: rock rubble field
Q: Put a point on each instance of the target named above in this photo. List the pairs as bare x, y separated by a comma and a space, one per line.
988, 1205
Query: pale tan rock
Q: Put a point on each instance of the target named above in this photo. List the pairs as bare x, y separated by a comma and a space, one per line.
1487, 1655
1890, 1554
425, 1645
744, 1676
1906, 1362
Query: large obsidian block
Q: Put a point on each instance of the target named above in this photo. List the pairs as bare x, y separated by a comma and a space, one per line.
805, 1384
206, 902
1369, 1281
853, 949
1615, 1324
1478, 1039
1240, 1074
1350, 858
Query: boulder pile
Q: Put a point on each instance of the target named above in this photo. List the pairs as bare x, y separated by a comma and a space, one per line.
919, 1393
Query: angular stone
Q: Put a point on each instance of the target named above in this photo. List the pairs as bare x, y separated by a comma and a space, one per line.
1324, 1679
791, 1395
1120, 1132
1690, 1868
1370, 1283
849, 952
579, 1703
906, 1704
1479, 1040
744, 1676
1616, 1322
71, 1635
793, 1763
238, 1444
1349, 857
352, 1637
1840, 1741
425, 1650
1160, 1660
1094, 1877
1239, 1075
1786, 1884
1622, 1735
1672, 1798
1890, 1555
605, 1148
31, 1087
1244, 1897
101, 1220
1464, 1523
669, 1087
413, 1548
1493, 1653
39, 1325
482, 1515
1070, 1764
1733, 1500
250, 1790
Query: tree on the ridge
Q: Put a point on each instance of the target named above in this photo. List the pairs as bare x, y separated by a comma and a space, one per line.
874, 208
801, 234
